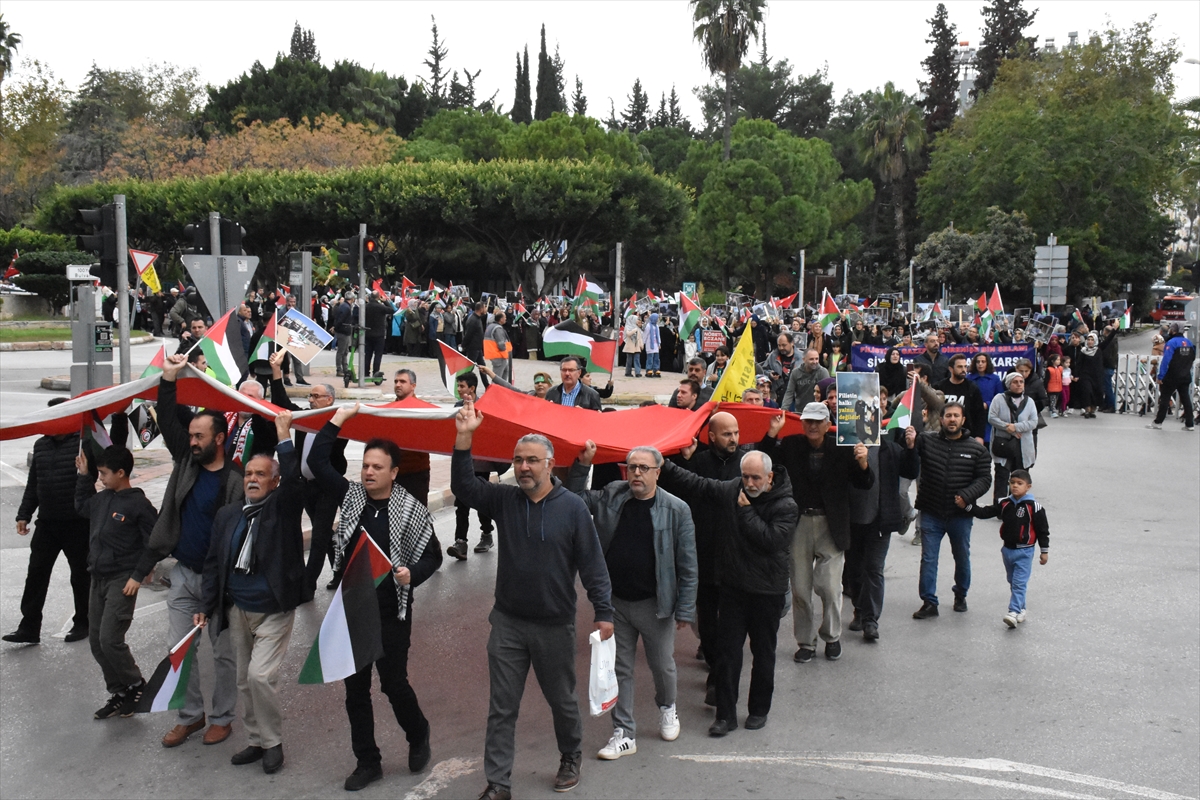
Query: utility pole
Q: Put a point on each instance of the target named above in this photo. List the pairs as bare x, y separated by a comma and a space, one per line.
845, 276
911, 307
362, 307
122, 287
616, 296
214, 247
801, 275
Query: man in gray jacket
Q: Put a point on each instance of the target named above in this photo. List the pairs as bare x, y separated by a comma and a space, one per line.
649, 545
803, 380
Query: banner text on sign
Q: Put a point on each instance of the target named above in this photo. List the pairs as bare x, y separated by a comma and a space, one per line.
865, 357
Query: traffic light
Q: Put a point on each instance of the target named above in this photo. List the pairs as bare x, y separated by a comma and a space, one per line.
372, 256
102, 241
201, 239
348, 252
231, 238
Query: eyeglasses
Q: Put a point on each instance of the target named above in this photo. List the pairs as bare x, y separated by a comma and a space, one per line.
532, 461
315, 395
638, 469
568, 369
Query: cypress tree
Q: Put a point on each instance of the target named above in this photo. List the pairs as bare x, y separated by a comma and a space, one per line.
522, 108
544, 102
941, 90
1004, 24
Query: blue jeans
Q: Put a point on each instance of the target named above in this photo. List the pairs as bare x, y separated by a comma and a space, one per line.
1110, 397
634, 361
1018, 563
653, 363
958, 528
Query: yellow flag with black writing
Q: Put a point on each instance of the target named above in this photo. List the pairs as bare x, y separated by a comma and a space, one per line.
739, 372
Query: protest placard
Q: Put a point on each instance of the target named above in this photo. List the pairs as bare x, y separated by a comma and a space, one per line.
301, 336
858, 408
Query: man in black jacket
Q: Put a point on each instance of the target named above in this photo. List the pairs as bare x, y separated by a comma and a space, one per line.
318, 501
753, 571
50, 490
957, 389
472, 341
939, 367
953, 465
402, 528
253, 581
822, 474
573, 392
344, 320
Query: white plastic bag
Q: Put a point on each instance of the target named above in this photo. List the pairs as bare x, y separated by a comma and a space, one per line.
602, 682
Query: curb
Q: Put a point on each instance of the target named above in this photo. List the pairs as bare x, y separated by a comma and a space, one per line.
9, 347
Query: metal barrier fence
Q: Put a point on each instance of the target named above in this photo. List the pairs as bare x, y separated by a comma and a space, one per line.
1135, 388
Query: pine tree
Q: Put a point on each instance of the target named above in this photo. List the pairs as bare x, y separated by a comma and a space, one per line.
578, 101
522, 109
436, 86
941, 91
674, 112
1004, 24
560, 82
303, 45
661, 118
544, 103
635, 117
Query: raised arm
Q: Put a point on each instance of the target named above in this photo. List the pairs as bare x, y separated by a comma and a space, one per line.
174, 432
279, 395
322, 449
577, 477
481, 495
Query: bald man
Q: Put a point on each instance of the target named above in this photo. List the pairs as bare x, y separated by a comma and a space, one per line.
719, 461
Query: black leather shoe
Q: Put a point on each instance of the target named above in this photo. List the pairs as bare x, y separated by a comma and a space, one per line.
960, 604
855, 624
331, 585
76, 635
756, 722
721, 727
926, 610
870, 631
21, 637
804, 655
362, 777
419, 754
272, 759
248, 756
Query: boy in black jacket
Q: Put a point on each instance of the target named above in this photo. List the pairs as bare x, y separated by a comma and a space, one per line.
121, 519
1022, 523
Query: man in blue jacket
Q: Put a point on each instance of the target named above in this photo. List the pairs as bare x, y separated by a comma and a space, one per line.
1175, 375
545, 536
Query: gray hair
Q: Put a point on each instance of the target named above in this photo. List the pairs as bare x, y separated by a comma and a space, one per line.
768, 466
253, 384
654, 454
328, 387
412, 376
750, 391
537, 438
268, 457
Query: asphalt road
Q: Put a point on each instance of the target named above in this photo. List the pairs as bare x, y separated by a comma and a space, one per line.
1096, 695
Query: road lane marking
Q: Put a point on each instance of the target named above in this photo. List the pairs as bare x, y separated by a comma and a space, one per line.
863, 761
13, 472
441, 775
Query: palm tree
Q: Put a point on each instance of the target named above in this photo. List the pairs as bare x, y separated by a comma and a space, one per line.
724, 29
9, 42
891, 139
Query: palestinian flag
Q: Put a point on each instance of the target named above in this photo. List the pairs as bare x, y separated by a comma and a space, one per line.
987, 326
406, 286
263, 350
281, 300
12, 270
829, 312
1043, 307
518, 310
908, 410
1126, 320
994, 304
631, 306
689, 316
586, 293
155, 367
167, 688
784, 302
651, 296
981, 303
349, 638
569, 339
94, 434
1075, 315
454, 364
934, 311
227, 363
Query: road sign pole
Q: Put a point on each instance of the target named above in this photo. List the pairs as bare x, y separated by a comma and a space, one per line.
362, 307
845, 276
801, 306
214, 238
616, 295
122, 287
911, 306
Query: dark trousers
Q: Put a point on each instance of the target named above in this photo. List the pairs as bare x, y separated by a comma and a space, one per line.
416, 484
462, 516
515, 645
51, 537
373, 355
743, 614
864, 566
1170, 387
393, 680
708, 598
111, 615
1003, 471
321, 510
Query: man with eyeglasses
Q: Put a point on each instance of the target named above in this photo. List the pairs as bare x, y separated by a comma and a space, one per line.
546, 536
651, 596
318, 502
572, 391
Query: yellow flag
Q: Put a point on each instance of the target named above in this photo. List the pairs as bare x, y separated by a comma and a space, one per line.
739, 373
150, 278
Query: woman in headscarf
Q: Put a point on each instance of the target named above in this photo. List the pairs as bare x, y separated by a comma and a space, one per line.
653, 345
1013, 414
1053, 347
1089, 369
892, 373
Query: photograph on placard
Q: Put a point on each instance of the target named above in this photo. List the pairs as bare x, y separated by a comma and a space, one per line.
858, 410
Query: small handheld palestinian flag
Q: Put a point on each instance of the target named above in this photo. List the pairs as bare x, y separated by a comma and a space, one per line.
829, 312
454, 364
155, 367
94, 434
689, 316
227, 363
908, 410
350, 638
587, 294
1075, 315
994, 304
1126, 320
570, 339
167, 688
266, 343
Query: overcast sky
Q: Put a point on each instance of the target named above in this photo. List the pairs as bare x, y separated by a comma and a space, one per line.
608, 43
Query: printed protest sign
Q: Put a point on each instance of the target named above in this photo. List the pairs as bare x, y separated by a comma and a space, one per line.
301, 336
858, 408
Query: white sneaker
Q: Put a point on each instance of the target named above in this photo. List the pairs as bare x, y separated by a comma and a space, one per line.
619, 745
1010, 619
1154, 426
668, 723
1021, 615
1053, 415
